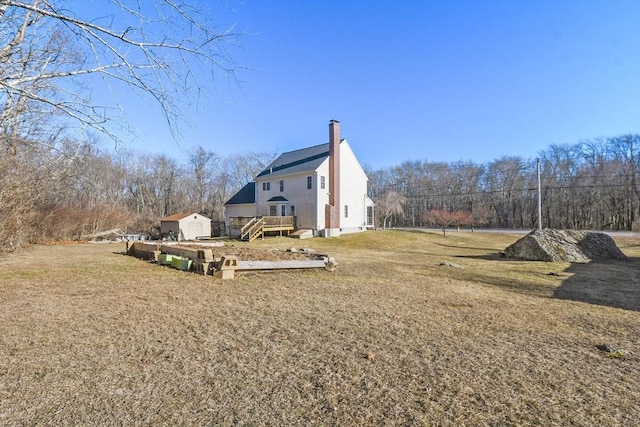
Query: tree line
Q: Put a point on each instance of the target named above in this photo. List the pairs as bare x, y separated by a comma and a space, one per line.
75, 190
592, 184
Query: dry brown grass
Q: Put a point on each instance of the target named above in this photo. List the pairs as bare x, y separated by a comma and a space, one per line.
91, 337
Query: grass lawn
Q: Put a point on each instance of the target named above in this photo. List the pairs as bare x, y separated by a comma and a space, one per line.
91, 337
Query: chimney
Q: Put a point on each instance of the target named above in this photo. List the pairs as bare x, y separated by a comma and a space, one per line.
334, 174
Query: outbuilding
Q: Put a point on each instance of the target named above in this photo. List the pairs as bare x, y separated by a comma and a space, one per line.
186, 226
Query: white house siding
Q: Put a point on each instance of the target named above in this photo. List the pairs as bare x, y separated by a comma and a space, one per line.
353, 191
240, 210
263, 195
296, 193
321, 194
247, 210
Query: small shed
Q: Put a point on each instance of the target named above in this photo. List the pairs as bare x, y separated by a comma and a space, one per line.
186, 226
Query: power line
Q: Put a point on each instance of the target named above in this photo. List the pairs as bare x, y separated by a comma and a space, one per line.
514, 191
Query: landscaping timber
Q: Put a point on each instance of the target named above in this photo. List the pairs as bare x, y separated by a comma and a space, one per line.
181, 250
204, 261
148, 251
280, 265
205, 255
198, 244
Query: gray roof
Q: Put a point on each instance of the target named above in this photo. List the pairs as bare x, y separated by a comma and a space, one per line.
277, 199
247, 194
303, 160
297, 161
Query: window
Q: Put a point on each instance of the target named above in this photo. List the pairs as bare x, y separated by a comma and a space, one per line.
272, 210
322, 182
283, 210
309, 182
346, 211
369, 215
281, 185
293, 210
266, 186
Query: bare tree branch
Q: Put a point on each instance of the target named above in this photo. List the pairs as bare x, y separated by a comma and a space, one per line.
161, 50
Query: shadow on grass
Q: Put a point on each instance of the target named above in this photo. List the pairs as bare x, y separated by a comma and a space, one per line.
609, 283
466, 247
527, 283
492, 256
529, 288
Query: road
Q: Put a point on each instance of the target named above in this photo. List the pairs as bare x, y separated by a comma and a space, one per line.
513, 231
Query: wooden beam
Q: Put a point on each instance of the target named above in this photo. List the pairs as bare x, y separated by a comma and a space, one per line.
280, 265
144, 250
183, 251
199, 244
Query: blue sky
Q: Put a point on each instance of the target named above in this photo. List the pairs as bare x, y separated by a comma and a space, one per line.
434, 80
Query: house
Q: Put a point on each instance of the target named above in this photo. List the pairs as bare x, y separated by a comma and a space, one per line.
322, 188
186, 226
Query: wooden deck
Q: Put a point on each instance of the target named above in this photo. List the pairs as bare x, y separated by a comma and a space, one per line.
252, 228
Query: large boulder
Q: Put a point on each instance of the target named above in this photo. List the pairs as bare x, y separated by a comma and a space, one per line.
564, 246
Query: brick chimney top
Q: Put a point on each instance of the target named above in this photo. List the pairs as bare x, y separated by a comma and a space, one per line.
332, 216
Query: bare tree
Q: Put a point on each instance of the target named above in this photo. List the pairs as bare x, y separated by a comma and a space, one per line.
50, 56
390, 204
443, 219
232, 174
203, 164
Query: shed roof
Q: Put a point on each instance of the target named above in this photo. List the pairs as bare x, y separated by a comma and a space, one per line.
179, 216
176, 217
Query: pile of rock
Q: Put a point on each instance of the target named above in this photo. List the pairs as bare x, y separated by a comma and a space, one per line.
564, 246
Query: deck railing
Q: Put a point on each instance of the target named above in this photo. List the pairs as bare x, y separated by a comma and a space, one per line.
253, 227
284, 222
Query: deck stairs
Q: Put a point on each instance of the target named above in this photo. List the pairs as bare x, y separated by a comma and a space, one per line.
253, 229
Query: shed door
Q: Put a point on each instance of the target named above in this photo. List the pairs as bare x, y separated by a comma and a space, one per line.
194, 230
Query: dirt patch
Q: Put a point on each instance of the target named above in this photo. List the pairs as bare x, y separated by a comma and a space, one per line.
254, 254
564, 246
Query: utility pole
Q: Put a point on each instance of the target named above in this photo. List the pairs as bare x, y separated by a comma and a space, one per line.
539, 196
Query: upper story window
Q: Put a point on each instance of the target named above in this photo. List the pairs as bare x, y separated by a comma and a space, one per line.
281, 182
322, 182
309, 183
266, 186
346, 211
